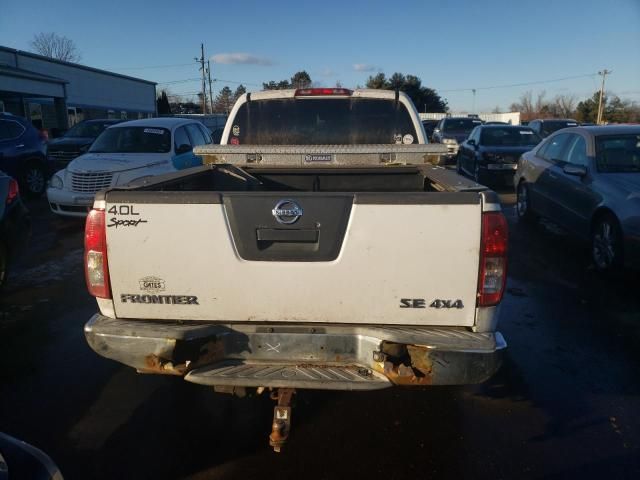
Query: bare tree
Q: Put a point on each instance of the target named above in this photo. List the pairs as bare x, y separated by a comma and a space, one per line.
541, 107
496, 109
565, 105
52, 45
524, 106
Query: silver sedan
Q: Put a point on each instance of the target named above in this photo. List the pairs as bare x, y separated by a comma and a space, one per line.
587, 180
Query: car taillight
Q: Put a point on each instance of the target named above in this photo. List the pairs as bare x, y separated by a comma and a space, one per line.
311, 92
96, 266
493, 259
14, 191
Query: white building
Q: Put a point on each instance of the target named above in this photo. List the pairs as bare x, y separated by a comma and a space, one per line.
55, 95
512, 118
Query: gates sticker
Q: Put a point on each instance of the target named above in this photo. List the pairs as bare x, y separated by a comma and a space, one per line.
152, 284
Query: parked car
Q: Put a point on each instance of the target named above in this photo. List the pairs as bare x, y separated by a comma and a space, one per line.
75, 142
19, 460
124, 152
452, 131
22, 153
544, 128
495, 122
429, 126
14, 223
491, 152
587, 180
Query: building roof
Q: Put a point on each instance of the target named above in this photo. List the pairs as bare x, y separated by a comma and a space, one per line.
20, 73
71, 64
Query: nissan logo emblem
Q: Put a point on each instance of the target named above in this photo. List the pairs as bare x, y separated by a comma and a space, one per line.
287, 212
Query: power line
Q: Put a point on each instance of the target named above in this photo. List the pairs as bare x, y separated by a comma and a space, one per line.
150, 66
524, 84
236, 82
186, 80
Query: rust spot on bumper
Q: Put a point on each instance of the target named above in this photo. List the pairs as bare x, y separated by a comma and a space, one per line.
184, 359
414, 369
155, 364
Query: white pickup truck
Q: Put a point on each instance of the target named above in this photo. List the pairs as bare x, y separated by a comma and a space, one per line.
318, 247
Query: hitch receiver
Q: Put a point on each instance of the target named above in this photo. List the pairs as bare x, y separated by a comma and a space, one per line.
281, 426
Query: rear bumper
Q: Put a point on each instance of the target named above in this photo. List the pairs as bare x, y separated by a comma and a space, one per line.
314, 356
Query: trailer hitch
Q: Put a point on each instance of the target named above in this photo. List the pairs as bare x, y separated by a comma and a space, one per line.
281, 426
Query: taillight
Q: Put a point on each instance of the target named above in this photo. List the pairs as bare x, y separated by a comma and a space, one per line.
96, 266
14, 191
311, 92
493, 259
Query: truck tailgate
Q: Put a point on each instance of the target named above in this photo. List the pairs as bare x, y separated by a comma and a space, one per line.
370, 258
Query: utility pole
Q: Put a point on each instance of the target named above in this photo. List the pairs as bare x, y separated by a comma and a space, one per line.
210, 90
604, 74
203, 102
474, 100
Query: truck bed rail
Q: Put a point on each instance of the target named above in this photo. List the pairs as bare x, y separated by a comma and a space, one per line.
322, 155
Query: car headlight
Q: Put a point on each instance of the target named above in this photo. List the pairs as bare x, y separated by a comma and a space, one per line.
55, 182
449, 141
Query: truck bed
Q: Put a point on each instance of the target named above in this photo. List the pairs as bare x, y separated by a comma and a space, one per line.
373, 245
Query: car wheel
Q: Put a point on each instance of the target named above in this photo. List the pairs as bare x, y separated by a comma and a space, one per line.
523, 203
3, 264
606, 244
35, 180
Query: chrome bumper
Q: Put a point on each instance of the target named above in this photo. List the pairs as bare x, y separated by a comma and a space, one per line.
323, 356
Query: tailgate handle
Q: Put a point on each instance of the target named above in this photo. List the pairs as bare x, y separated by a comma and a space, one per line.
287, 235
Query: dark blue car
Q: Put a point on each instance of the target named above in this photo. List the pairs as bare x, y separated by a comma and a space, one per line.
14, 222
490, 154
75, 142
23, 154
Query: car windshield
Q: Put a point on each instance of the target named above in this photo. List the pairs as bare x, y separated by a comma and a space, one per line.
462, 125
87, 129
508, 137
133, 140
618, 153
322, 121
550, 126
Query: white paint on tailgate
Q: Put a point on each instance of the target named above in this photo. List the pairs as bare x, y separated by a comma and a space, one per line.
389, 252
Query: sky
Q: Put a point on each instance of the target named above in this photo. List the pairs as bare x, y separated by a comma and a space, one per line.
454, 46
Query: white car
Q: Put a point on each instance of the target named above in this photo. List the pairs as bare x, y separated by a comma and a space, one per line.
124, 152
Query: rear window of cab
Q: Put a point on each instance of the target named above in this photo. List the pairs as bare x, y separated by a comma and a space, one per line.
322, 121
